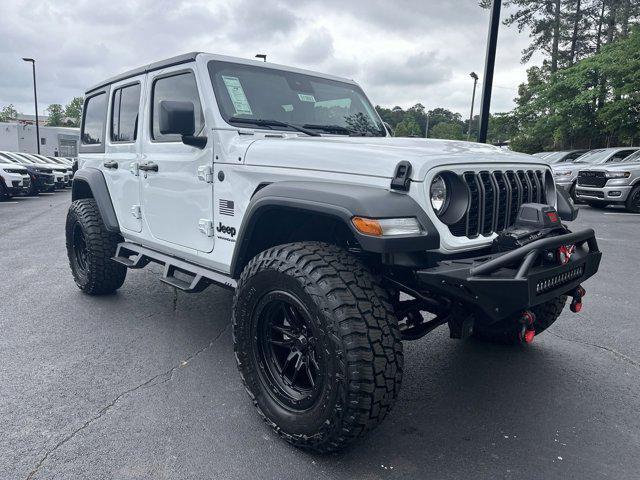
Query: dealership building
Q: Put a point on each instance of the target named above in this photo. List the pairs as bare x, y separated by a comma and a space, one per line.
54, 141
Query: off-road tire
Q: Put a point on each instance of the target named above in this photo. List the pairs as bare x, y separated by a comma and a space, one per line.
508, 331
632, 204
101, 275
360, 342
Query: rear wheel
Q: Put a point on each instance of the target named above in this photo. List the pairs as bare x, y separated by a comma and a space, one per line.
90, 247
317, 344
633, 200
509, 331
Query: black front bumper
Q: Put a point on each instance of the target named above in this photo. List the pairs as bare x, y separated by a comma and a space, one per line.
502, 284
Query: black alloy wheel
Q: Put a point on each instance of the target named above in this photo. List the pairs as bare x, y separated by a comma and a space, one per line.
80, 254
286, 352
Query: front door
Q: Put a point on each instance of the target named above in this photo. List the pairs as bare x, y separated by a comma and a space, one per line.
124, 151
177, 205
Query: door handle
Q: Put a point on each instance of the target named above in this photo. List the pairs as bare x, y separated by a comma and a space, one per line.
148, 167
110, 164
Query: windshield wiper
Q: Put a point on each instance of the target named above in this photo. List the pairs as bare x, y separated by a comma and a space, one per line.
272, 123
329, 128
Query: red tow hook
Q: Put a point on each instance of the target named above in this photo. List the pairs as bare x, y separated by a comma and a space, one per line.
528, 332
576, 303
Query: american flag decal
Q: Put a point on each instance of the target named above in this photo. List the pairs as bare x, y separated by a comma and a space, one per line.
226, 207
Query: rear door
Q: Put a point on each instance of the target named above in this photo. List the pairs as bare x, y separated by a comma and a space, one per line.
176, 203
123, 151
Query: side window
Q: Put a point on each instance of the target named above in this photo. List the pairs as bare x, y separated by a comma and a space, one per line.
124, 114
95, 111
181, 87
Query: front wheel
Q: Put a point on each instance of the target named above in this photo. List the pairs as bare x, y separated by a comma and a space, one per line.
633, 200
90, 247
509, 330
317, 344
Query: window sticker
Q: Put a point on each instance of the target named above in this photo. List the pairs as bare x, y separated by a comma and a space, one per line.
238, 98
306, 98
287, 108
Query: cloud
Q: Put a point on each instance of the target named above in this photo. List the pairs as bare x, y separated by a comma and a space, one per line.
424, 69
315, 48
401, 52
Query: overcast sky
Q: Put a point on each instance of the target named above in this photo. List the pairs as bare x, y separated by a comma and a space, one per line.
401, 51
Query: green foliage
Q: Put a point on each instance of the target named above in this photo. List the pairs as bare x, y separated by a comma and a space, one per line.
56, 115
407, 128
447, 130
8, 113
594, 103
73, 112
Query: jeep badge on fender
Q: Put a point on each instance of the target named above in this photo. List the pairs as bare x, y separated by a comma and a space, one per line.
343, 236
224, 229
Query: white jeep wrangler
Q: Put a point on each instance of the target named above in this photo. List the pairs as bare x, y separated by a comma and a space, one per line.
339, 240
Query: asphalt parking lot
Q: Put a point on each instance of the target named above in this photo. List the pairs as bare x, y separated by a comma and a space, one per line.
143, 384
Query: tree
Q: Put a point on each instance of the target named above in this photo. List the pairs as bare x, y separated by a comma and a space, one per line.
447, 130
8, 113
408, 128
56, 115
73, 111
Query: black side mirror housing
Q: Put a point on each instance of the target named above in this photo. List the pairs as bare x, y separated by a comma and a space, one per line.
177, 118
566, 208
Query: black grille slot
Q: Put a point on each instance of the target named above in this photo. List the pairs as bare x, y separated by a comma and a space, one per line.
495, 198
592, 179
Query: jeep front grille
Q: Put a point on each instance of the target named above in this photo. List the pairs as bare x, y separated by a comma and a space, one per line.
495, 198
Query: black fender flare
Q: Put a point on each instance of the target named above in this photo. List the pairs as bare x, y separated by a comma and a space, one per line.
342, 202
90, 183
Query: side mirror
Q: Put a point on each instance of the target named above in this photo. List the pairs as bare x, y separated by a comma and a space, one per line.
566, 208
389, 129
177, 118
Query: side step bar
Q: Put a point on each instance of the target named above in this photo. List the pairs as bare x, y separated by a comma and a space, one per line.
180, 274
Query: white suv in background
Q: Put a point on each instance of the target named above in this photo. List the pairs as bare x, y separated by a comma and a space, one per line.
14, 180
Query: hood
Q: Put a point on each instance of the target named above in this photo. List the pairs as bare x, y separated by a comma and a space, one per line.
375, 156
617, 167
562, 167
13, 166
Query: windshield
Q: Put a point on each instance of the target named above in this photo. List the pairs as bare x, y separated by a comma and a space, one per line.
4, 157
23, 159
594, 156
314, 103
555, 157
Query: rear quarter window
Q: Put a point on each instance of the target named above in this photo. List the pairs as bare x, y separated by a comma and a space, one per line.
94, 120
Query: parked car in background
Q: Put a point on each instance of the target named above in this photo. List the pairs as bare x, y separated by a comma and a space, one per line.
66, 163
58, 166
60, 172
14, 180
541, 154
42, 177
566, 174
612, 184
565, 156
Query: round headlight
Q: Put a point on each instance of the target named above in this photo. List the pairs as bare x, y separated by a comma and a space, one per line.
438, 194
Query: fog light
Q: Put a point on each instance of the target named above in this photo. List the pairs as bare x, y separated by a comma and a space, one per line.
615, 193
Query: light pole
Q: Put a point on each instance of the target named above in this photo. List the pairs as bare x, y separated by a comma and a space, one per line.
487, 80
35, 100
473, 75
262, 56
